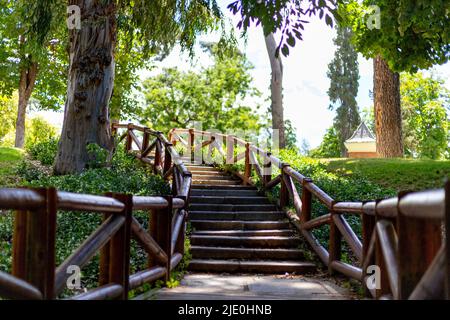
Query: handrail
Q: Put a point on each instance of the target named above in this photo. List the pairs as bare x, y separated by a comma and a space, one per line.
415, 220
34, 271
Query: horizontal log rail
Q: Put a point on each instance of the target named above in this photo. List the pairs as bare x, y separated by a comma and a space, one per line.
35, 274
401, 236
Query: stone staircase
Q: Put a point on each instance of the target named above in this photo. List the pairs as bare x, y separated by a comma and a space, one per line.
237, 230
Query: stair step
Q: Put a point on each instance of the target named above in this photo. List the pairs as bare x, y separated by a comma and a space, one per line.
223, 187
213, 177
252, 266
201, 168
238, 225
224, 193
231, 207
242, 215
197, 165
246, 242
202, 173
245, 233
216, 182
228, 200
202, 252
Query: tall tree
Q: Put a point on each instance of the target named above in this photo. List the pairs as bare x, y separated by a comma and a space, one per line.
276, 88
214, 95
343, 72
288, 17
157, 24
399, 36
25, 53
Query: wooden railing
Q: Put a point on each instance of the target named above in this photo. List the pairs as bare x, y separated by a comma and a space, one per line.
34, 271
404, 240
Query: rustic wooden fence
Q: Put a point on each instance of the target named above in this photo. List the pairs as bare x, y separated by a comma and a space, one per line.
34, 271
406, 237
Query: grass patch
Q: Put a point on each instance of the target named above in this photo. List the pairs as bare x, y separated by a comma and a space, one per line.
398, 174
9, 158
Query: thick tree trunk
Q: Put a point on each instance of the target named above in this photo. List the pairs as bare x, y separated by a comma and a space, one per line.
388, 117
276, 87
26, 86
91, 79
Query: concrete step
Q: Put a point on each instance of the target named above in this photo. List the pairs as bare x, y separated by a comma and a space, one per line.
223, 187
245, 242
198, 165
197, 168
203, 252
251, 266
201, 174
232, 207
228, 200
223, 193
246, 233
216, 182
238, 225
242, 215
213, 177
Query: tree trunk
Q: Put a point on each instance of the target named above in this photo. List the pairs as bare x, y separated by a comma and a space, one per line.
90, 85
388, 118
26, 86
276, 87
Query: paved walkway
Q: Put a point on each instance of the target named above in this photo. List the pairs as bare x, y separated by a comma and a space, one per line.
247, 287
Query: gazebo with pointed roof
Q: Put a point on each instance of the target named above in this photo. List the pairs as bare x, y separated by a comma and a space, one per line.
362, 144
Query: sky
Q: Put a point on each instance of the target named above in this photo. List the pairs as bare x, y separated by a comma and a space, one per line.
305, 83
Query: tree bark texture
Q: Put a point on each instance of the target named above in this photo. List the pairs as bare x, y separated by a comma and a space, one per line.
90, 85
276, 87
388, 118
26, 86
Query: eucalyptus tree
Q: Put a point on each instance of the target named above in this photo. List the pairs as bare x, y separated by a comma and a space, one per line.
156, 25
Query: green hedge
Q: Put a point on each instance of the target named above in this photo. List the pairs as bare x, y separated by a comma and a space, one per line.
124, 175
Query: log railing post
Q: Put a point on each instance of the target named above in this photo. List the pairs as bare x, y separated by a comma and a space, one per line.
368, 228
284, 192
191, 145
335, 244
114, 124
384, 288
34, 245
19, 259
267, 170
145, 139
418, 242
306, 201
179, 246
158, 157
167, 158
164, 233
119, 265
129, 140
230, 149
447, 239
105, 256
248, 166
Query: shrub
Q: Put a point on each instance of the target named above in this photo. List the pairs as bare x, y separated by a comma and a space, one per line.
44, 151
38, 130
